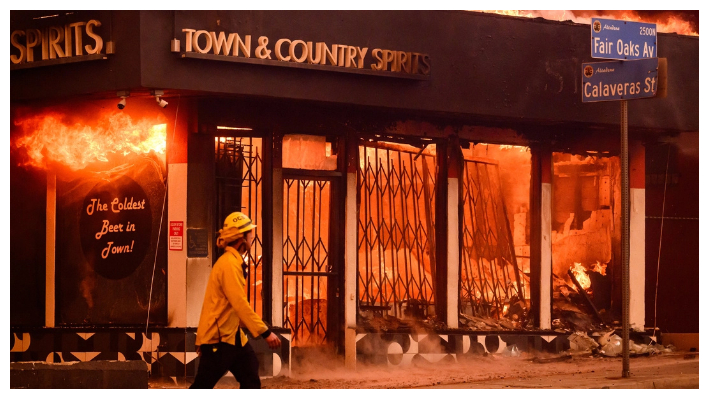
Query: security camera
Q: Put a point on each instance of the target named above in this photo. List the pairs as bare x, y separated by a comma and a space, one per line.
123, 94
162, 103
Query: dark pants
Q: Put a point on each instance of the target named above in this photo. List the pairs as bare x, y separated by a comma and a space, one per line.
216, 359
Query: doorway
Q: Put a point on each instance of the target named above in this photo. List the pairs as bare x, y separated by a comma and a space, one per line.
312, 242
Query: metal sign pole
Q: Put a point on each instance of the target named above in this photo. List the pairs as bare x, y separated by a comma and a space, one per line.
625, 234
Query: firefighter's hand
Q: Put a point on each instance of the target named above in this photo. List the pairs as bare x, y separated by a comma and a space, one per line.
199, 353
273, 341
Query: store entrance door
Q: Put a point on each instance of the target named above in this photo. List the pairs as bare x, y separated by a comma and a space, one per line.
311, 266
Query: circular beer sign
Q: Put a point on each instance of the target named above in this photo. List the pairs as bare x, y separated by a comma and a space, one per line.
116, 227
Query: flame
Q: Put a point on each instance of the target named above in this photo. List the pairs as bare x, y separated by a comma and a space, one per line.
666, 21
47, 139
581, 276
599, 268
512, 13
521, 148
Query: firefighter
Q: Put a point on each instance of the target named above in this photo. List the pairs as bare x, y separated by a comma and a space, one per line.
221, 343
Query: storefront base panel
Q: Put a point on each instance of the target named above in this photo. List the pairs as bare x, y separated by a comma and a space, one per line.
401, 349
130, 374
168, 352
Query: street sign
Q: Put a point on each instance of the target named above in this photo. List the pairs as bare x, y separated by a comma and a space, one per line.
623, 40
619, 80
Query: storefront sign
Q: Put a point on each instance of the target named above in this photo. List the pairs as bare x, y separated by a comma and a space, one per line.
176, 229
345, 57
56, 42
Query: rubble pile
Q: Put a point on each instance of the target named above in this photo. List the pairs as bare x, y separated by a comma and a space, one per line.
609, 344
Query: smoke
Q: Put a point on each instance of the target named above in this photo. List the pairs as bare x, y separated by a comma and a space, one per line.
328, 371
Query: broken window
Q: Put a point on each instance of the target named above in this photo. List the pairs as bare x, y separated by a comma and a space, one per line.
396, 240
585, 239
494, 271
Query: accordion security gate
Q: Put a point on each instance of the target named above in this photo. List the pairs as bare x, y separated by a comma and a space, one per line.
396, 260
307, 267
490, 279
239, 177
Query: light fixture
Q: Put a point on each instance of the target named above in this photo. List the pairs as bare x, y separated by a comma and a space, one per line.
159, 93
123, 95
232, 128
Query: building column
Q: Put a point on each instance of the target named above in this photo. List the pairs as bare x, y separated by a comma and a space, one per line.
545, 278
455, 157
637, 234
540, 237
440, 275
176, 159
277, 233
351, 253
51, 228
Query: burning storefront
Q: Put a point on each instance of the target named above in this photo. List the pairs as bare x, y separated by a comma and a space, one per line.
415, 199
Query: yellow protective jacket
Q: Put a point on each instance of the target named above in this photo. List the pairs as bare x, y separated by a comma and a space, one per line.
225, 304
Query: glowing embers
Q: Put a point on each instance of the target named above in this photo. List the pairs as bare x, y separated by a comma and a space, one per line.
50, 138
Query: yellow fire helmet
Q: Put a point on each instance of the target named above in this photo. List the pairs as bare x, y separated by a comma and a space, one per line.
239, 221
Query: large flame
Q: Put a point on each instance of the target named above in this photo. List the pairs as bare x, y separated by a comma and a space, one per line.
667, 22
47, 139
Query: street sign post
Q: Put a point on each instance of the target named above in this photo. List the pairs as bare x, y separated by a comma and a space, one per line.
635, 77
619, 80
623, 40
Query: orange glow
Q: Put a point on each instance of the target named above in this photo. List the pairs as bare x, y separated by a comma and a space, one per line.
49, 140
581, 276
666, 22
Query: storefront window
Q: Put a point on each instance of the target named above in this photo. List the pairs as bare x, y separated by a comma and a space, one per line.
494, 273
396, 231
109, 173
585, 240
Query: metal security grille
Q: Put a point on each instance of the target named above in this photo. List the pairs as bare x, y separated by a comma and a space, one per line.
238, 170
396, 240
306, 263
489, 277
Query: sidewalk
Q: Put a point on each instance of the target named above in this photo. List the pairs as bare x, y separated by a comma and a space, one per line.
672, 370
